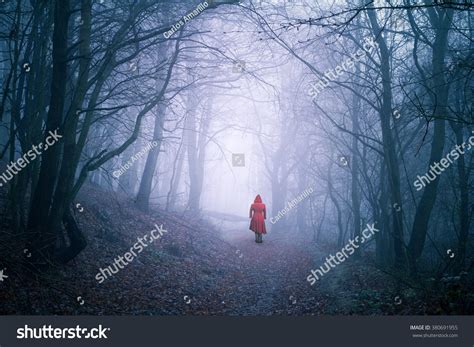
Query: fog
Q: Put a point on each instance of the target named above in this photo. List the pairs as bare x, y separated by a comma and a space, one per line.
355, 102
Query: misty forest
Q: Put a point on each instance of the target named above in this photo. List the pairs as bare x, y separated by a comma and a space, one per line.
136, 134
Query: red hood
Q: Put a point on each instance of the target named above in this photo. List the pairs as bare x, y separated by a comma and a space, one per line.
258, 199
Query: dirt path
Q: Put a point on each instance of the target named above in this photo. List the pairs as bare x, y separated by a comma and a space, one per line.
271, 277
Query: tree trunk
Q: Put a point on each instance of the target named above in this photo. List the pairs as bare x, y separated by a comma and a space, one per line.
390, 156
41, 238
63, 194
196, 149
143, 196
355, 195
428, 198
128, 180
175, 177
191, 149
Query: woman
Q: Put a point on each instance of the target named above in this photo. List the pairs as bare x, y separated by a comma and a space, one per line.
258, 213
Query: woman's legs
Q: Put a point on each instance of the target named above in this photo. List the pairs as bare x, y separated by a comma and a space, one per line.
258, 237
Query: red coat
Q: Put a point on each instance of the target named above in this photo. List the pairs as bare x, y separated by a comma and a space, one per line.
258, 213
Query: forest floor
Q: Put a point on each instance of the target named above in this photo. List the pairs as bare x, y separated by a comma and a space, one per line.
203, 266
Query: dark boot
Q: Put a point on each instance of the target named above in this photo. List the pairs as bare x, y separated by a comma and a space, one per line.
256, 237
260, 238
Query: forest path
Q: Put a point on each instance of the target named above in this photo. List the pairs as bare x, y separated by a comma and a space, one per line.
271, 276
